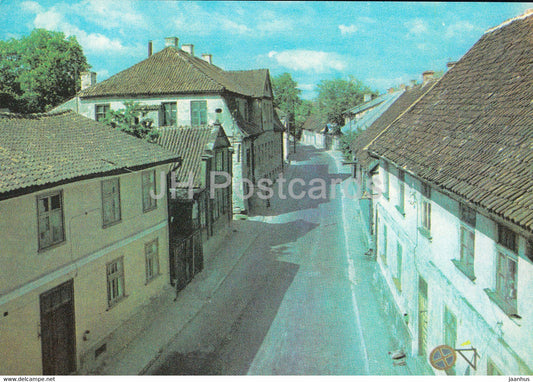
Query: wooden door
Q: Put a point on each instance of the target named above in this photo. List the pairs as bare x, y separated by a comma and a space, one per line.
422, 316
58, 334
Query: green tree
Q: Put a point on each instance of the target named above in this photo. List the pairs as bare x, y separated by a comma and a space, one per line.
40, 71
338, 95
131, 120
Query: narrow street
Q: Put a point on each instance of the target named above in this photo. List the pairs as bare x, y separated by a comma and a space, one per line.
289, 305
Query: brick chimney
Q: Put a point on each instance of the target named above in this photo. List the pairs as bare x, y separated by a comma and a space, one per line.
390, 91
171, 41
427, 75
150, 48
189, 48
207, 57
88, 79
367, 97
403, 87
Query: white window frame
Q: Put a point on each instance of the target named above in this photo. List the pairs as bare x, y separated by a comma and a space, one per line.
116, 290
151, 254
149, 203
48, 218
114, 198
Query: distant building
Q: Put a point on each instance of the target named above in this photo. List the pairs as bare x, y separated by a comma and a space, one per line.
84, 245
179, 89
454, 228
314, 131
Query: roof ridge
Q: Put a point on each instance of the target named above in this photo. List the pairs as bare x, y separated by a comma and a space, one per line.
35, 115
526, 14
405, 111
194, 66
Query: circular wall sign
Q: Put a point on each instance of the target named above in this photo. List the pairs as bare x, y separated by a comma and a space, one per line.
442, 357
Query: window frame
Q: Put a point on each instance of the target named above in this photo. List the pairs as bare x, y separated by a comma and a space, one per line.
151, 258
116, 275
397, 277
43, 246
503, 291
104, 196
98, 116
425, 210
173, 119
465, 253
449, 329
198, 116
401, 192
145, 187
386, 179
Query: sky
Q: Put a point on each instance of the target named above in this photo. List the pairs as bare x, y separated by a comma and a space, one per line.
383, 44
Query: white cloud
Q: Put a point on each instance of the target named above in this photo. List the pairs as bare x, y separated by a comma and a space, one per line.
308, 60
416, 27
232, 26
458, 28
31, 6
346, 29
52, 19
110, 14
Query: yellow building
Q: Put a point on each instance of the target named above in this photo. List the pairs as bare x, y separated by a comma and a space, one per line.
84, 244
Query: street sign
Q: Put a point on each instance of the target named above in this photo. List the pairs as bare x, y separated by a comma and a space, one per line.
442, 357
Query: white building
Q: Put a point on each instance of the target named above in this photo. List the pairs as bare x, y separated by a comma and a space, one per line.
454, 227
176, 88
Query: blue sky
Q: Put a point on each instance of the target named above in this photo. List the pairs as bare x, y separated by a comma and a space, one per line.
382, 44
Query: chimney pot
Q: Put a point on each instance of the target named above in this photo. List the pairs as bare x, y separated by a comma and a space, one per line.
207, 57
427, 75
391, 90
189, 48
88, 79
171, 41
150, 48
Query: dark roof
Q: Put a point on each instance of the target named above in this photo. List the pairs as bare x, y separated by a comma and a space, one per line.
174, 71
249, 128
191, 144
472, 133
393, 111
315, 123
253, 81
42, 150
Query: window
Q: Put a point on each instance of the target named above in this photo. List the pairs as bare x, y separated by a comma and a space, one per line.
219, 160
397, 278
467, 251
169, 111
385, 180
148, 183
507, 238
100, 111
450, 333
110, 201
506, 273
383, 251
198, 113
50, 219
467, 215
151, 252
115, 281
425, 218
401, 194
